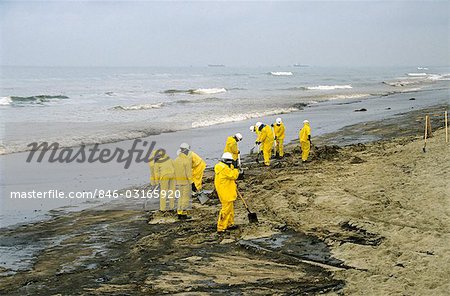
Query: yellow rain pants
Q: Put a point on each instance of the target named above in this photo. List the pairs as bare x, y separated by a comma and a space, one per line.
279, 134
225, 183
183, 173
266, 138
165, 177
305, 144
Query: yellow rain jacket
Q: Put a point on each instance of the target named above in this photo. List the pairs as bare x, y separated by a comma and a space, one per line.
303, 135
183, 169
198, 167
165, 176
164, 169
183, 173
266, 138
225, 183
232, 147
279, 131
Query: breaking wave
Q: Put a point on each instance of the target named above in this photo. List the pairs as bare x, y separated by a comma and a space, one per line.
281, 73
417, 74
138, 107
195, 101
5, 101
39, 99
352, 96
329, 87
198, 91
242, 116
208, 91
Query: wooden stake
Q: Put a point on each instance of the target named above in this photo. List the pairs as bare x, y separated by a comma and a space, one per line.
429, 131
446, 128
425, 135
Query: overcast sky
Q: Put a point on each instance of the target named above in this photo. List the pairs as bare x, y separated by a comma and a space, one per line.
232, 33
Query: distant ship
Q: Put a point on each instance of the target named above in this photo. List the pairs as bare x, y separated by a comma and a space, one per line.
300, 65
216, 65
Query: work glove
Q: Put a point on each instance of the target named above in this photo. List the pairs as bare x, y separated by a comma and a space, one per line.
257, 143
275, 138
271, 125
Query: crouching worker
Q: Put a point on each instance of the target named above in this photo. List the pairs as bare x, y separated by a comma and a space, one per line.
198, 168
225, 183
164, 176
183, 173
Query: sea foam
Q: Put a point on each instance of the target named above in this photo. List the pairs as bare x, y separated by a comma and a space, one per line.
241, 117
417, 74
5, 101
329, 87
281, 73
208, 91
138, 107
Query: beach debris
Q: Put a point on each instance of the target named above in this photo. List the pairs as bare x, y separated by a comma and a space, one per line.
326, 152
361, 110
356, 160
299, 106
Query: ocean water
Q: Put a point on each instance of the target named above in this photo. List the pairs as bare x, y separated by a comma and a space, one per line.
125, 103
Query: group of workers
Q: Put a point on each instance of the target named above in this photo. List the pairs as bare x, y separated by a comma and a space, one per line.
177, 178
184, 174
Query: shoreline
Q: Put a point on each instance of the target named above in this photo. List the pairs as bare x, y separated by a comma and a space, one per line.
334, 231
112, 176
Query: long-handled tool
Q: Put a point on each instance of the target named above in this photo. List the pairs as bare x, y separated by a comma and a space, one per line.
252, 217
239, 161
426, 134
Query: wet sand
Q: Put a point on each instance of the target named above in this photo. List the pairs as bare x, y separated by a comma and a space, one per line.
368, 218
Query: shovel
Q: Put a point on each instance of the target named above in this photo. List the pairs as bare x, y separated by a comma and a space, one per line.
252, 217
203, 196
256, 146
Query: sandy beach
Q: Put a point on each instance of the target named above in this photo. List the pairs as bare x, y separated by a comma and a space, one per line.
360, 218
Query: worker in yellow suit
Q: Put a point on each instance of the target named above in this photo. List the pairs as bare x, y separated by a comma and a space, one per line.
164, 172
232, 147
305, 140
183, 173
225, 182
265, 138
279, 131
198, 167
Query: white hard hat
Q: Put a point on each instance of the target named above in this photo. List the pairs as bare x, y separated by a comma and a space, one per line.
185, 146
252, 128
258, 124
227, 156
305, 121
278, 121
238, 136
